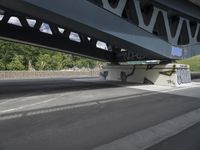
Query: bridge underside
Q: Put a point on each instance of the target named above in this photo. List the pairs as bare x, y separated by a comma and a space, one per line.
129, 29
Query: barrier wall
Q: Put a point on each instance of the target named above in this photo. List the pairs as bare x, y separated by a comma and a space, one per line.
46, 74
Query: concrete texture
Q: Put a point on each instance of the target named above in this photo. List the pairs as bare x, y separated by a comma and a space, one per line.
46, 74
171, 74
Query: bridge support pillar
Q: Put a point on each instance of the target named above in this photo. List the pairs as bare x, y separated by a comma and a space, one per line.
167, 75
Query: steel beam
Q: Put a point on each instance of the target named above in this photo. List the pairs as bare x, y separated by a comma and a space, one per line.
84, 17
192, 50
183, 7
92, 21
58, 43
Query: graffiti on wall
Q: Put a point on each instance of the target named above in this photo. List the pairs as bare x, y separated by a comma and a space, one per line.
183, 76
170, 72
124, 76
104, 74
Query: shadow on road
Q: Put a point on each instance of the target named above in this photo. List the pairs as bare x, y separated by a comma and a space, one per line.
25, 88
84, 128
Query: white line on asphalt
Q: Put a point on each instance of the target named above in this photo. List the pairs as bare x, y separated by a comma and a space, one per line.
81, 105
13, 116
31, 97
25, 106
128, 97
22, 99
103, 101
155, 134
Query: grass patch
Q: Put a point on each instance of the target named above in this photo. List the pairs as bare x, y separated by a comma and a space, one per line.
194, 63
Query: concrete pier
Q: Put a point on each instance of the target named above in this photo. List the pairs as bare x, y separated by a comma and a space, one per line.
167, 74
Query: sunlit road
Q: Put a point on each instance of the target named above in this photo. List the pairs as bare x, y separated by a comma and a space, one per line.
81, 114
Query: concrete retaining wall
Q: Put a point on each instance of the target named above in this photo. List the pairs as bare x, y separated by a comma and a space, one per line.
46, 74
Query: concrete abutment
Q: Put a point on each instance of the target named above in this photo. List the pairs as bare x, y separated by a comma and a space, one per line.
171, 74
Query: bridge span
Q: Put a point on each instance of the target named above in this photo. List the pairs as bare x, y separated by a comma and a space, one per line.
84, 114
130, 29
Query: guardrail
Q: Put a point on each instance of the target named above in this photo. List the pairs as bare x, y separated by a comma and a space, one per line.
46, 74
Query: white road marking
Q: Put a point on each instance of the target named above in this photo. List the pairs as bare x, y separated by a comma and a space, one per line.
153, 88
18, 115
128, 97
154, 134
22, 99
81, 105
31, 97
25, 106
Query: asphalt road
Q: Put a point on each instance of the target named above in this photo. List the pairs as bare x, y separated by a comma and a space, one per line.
81, 114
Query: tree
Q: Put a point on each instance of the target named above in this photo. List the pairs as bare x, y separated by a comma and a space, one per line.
69, 61
43, 62
31, 58
6, 54
16, 63
2, 66
58, 61
85, 63
30, 54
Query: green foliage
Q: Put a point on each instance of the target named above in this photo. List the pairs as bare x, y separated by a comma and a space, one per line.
86, 63
2, 67
194, 63
43, 62
14, 56
59, 61
16, 64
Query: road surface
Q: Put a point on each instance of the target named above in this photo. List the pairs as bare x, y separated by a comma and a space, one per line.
81, 114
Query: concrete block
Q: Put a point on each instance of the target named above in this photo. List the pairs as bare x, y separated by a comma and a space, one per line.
167, 75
